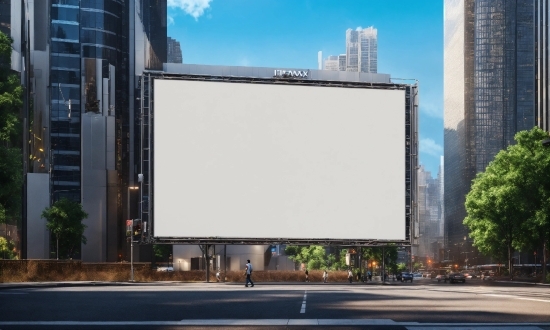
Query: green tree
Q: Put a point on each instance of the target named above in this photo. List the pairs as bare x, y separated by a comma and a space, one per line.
162, 251
375, 254
11, 165
401, 267
313, 256
64, 220
507, 206
7, 249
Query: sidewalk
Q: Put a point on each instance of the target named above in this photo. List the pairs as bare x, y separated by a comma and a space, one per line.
26, 285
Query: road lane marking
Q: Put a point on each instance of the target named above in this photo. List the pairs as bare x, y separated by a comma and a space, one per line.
533, 299
514, 297
303, 309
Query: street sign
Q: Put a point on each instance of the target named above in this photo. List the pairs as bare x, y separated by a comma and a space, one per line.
129, 225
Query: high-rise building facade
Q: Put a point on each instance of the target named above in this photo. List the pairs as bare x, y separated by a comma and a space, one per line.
79, 64
491, 53
174, 51
362, 50
429, 217
332, 63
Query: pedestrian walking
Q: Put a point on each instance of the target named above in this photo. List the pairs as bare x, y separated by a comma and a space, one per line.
369, 275
307, 276
350, 275
325, 276
248, 273
218, 275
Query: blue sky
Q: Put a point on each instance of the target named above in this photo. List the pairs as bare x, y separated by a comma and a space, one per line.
289, 33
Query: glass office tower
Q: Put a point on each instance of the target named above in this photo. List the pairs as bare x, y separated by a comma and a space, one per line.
79, 60
489, 95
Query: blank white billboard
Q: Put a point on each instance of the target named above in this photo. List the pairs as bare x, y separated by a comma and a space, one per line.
249, 160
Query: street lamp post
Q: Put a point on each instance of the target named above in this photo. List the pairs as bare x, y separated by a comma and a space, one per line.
131, 237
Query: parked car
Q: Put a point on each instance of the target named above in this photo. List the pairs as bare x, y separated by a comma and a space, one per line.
417, 275
404, 277
441, 277
456, 277
469, 275
165, 269
487, 276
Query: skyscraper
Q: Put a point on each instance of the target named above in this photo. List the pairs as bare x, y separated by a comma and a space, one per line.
331, 63
490, 91
362, 50
429, 216
174, 51
84, 58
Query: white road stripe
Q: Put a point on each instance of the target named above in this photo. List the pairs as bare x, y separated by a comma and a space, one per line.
533, 299
303, 309
514, 297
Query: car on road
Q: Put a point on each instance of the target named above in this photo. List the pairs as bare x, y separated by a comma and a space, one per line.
441, 277
456, 277
405, 276
487, 276
469, 275
419, 275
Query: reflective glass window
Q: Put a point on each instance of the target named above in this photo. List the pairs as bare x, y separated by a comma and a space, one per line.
65, 47
65, 143
72, 93
65, 62
65, 14
66, 2
67, 77
65, 31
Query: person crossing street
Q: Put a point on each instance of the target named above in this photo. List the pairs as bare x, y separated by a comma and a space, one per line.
248, 273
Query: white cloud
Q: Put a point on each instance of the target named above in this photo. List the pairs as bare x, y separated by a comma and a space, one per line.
431, 110
429, 147
194, 8
244, 62
170, 20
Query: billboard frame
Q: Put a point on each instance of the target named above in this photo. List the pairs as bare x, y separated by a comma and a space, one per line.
146, 89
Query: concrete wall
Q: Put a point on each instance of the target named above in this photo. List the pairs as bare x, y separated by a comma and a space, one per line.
38, 196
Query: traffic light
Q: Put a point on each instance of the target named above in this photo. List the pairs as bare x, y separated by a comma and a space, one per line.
136, 230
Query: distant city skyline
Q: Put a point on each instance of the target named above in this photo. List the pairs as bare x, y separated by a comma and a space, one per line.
249, 33
361, 53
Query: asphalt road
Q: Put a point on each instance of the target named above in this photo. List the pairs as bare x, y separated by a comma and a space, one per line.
424, 304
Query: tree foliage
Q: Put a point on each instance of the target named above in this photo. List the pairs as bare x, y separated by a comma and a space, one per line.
11, 166
162, 251
508, 204
313, 256
64, 220
7, 249
316, 257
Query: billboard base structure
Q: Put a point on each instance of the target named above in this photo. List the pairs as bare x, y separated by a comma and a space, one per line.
274, 241
184, 215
